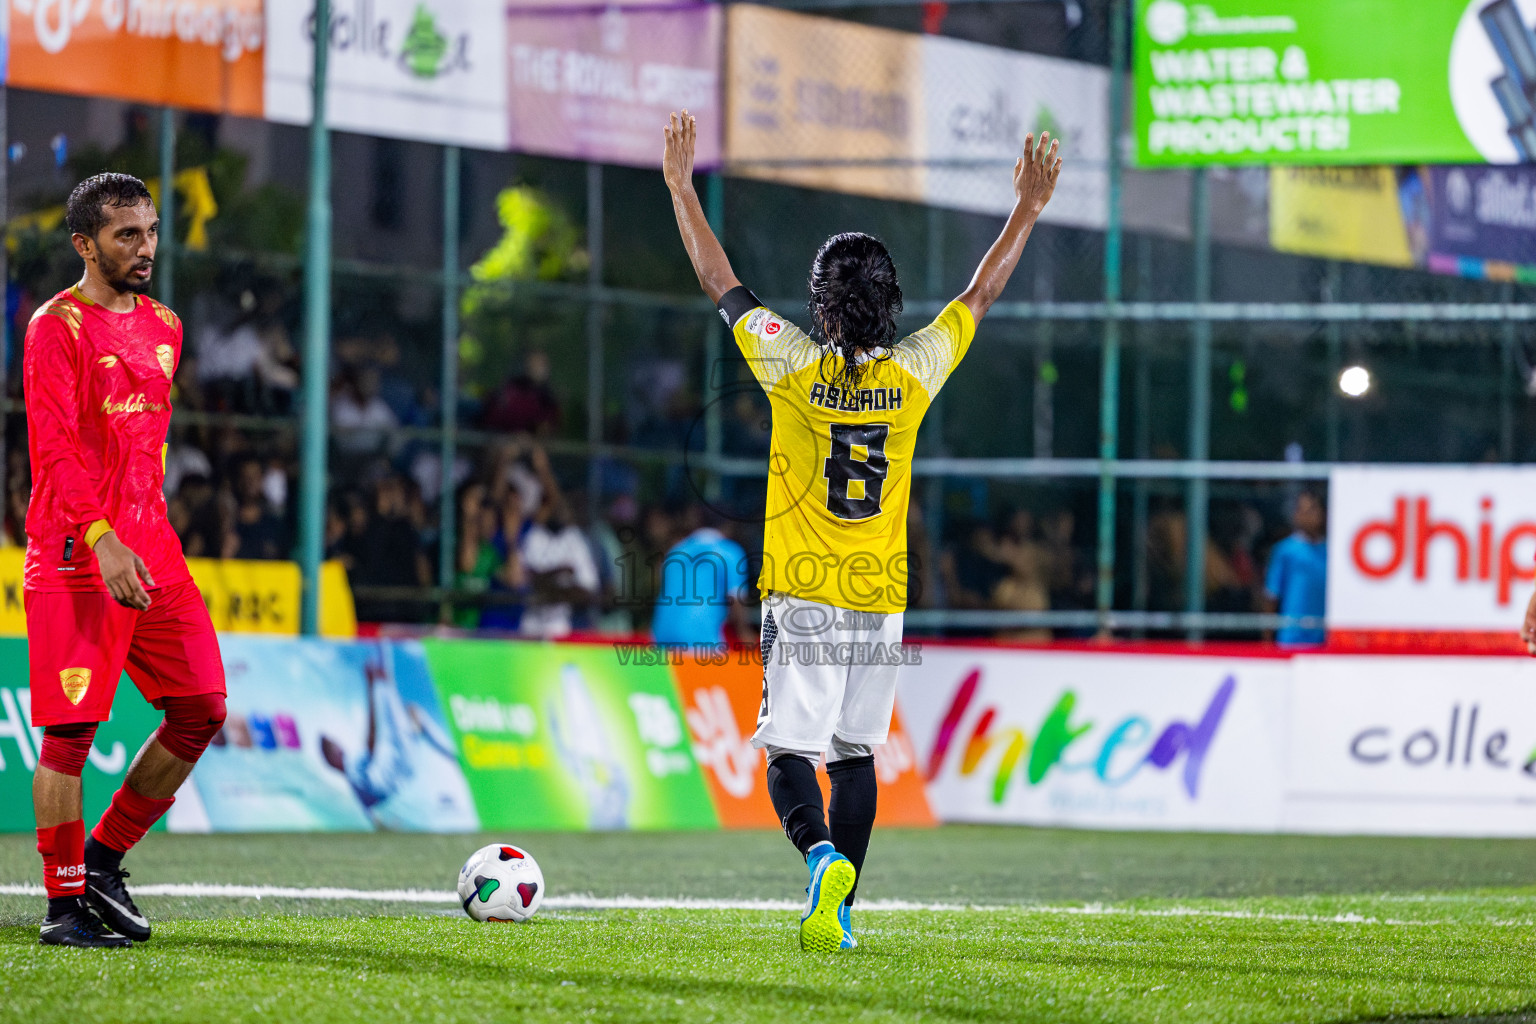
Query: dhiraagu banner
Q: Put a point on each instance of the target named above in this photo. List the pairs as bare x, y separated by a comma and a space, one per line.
566, 736
1335, 81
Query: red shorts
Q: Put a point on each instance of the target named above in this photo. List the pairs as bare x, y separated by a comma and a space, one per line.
78, 643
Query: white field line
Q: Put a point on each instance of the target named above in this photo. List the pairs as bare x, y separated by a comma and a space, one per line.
206, 890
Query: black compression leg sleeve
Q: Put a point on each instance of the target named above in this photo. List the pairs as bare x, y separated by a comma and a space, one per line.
854, 793
796, 800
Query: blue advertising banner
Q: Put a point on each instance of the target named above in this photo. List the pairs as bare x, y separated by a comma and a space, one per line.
1477, 221
324, 736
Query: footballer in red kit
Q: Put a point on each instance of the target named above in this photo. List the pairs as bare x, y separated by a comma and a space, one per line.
106, 585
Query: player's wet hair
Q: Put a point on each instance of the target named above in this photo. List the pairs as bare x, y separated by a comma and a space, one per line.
855, 299
86, 212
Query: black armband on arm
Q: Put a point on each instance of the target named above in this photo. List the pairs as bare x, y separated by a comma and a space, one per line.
736, 303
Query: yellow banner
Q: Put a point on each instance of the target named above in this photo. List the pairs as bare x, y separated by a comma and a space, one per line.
242, 596
824, 103
1342, 213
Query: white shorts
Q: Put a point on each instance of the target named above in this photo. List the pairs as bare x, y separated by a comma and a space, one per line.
827, 671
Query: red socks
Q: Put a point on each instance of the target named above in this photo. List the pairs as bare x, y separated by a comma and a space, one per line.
63, 850
130, 816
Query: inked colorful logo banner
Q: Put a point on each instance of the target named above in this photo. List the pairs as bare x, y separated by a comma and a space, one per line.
566, 736
1334, 81
205, 55
1099, 740
1413, 746
1430, 548
428, 70
598, 84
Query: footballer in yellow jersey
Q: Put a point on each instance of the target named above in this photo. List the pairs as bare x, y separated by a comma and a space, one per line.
840, 460
847, 400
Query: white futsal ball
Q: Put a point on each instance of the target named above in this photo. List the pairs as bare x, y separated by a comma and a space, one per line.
501, 882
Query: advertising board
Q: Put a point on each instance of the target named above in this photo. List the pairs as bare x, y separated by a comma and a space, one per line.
979, 102
204, 55
243, 596
1099, 740
116, 742
590, 84
565, 736
1413, 746
1430, 548
824, 103
720, 702
1334, 81
324, 736
428, 70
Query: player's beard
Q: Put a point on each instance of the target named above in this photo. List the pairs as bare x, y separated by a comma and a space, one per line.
120, 275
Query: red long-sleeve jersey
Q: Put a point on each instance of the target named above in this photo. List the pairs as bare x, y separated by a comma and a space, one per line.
97, 386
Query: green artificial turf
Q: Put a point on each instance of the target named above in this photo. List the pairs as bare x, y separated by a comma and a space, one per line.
1079, 927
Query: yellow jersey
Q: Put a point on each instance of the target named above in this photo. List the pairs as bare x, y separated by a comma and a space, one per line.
840, 460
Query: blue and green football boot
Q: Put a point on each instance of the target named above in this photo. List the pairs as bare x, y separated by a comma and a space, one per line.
849, 942
832, 878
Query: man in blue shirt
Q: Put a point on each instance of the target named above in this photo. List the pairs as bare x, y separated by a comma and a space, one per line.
702, 580
1297, 583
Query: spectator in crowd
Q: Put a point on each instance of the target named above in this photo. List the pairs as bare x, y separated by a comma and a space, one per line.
198, 517
703, 582
256, 530
488, 558
923, 590
243, 355
1029, 565
183, 459
361, 418
1297, 583
967, 567
18, 495
525, 404
1073, 575
559, 566
388, 552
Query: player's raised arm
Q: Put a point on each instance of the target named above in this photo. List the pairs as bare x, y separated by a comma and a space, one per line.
709, 259
1034, 179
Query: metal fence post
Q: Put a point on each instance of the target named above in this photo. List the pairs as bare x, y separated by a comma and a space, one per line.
714, 350
1507, 343
1333, 333
317, 333
1142, 435
1109, 374
1197, 491
1045, 376
933, 426
595, 317
165, 252
448, 389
